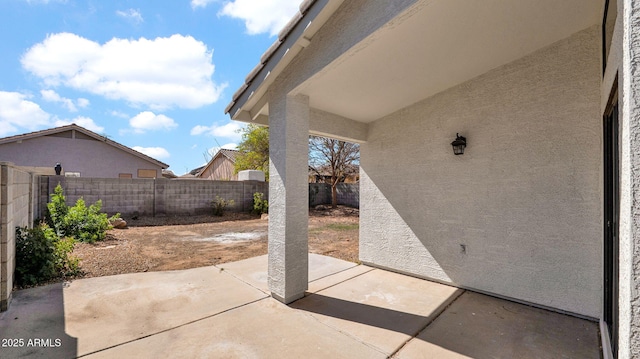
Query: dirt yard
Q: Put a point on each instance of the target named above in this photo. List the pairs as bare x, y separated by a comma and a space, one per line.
168, 243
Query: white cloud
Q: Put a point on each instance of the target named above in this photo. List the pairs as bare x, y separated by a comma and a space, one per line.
132, 15
120, 114
230, 130
52, 96
18, 112
82, 121
155, 152
160, 73
261, 16
82, 102
148, 120
200, 3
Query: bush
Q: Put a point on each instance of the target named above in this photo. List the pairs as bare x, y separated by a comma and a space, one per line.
41, 255
56, 210
85, 224
220, 204
35, 258
66, 264
260, 205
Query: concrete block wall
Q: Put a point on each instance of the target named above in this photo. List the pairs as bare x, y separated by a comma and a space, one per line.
152, 197
126, 196
184, 197
251, 187
16, 210
348, 194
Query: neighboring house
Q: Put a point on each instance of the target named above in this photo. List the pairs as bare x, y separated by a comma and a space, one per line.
193, 173
81, 153
221, 167
542, 206
168, 174
323, 175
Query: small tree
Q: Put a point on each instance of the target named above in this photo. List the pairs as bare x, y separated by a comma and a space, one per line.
337, 157
254, 150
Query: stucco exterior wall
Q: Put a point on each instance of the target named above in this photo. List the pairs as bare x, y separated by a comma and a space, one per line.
89, 157
629, 245
519, 214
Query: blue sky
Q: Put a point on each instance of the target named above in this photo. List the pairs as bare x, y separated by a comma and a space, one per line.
154, 75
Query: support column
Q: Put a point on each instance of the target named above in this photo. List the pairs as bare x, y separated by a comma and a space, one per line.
288, 197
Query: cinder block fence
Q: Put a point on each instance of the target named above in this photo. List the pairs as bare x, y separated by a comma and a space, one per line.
17, 204
151, 197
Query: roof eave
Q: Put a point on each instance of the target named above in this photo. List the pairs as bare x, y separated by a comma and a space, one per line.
295, 36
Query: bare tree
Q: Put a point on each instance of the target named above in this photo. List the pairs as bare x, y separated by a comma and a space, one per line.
335, 158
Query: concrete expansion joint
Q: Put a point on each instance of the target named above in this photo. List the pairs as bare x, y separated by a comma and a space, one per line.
241, 280
347, 334
344, 270
419, 331
172, 328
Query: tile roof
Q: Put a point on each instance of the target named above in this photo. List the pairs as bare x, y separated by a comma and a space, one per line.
264, 59
230, 154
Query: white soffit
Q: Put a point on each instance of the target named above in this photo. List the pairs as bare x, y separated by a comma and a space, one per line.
442, 44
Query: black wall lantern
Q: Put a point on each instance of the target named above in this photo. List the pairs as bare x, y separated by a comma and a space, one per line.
459, 144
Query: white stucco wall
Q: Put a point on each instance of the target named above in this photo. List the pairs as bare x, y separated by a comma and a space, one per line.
627, 64
524, 200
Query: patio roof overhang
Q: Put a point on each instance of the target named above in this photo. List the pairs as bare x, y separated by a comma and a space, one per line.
431, 46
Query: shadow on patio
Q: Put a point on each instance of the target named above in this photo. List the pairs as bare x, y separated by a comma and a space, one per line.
351, 311
34, 325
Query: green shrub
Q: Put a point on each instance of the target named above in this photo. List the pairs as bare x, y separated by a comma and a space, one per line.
41, 255
56, 210
66, 264
85, 224
35, 258
260, 205
220, 204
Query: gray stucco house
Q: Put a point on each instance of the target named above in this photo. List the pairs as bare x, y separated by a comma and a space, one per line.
542, 207
81, 153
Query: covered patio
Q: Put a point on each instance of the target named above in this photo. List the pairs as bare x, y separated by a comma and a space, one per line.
226, 311
541, 208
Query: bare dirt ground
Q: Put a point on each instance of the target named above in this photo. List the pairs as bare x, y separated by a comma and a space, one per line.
169, 243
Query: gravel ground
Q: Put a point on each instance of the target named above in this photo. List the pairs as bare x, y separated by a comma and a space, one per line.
171, 243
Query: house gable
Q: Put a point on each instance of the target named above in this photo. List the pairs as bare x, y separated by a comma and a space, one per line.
79, 151
221, 167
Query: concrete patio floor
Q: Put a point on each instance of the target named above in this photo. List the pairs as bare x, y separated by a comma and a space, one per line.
225, 311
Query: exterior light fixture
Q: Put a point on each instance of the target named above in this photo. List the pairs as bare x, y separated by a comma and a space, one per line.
459, 144
58, 168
